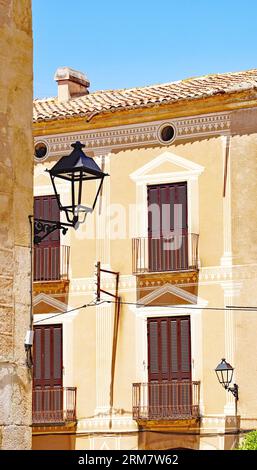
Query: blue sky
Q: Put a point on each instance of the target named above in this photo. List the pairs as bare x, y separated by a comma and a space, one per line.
141, 42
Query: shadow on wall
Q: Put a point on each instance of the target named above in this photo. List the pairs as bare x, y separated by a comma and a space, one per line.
54, 441
232, 426
161, 440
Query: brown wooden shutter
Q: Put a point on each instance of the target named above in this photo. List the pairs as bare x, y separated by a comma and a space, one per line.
174, 347
47, 253
153, 350
47, 403
161, 223
185, 347
46, 207
47, 352
169, 349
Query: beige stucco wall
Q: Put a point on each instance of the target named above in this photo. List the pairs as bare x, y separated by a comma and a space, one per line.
218, 333
244, 224
15, 205
209, 153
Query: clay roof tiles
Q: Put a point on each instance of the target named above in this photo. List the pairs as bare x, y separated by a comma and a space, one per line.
111, 100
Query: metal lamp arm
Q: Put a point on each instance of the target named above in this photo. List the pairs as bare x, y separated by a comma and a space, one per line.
48, 226
234, 391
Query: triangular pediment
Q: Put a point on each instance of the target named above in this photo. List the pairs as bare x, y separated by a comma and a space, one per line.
166, 163
104, 446
166, 167
169, 294
44, 303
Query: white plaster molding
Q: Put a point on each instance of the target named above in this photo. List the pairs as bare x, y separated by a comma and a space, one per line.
87, 285
213, 423
231, 288
136, 135
103, 246
148, 311
104, 341
101, 423
142, 313
51, 301
218, 423
101, 152
227, 258
190, 173
67, 329
170, 289
207, 275
192, 169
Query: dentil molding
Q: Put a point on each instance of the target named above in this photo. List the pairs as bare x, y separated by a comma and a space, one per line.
102, 141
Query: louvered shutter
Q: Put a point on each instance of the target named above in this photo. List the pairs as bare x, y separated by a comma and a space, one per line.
184, 347
169, 371
47, 253
153, 350
47, 380
47, 353
169, 349
46, 207
163, 218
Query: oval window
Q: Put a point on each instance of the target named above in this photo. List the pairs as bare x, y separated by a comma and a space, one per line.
166, 133
40, 150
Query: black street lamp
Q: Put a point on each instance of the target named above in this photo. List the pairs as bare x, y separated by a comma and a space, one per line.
75, 168
224, 372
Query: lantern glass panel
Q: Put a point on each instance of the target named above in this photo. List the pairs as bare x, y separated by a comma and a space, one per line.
224, 372
77, 169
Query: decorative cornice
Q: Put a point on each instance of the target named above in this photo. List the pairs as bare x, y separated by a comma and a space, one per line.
129, 136
208, 275
87, 285
51, 301
168, 289
51, 287
101, 424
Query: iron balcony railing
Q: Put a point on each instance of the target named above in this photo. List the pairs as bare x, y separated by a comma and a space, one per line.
159, 254
54, 405
166, 401
51, 263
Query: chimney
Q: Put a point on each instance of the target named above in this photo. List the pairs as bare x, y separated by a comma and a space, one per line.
71, 83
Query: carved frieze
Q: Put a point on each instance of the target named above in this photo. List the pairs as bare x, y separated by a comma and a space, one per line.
139, 135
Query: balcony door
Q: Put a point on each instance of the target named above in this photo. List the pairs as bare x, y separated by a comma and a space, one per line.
169, 367
167, 212
47, 376
47, 253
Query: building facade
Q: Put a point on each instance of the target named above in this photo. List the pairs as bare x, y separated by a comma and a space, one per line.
16, 204
174, 231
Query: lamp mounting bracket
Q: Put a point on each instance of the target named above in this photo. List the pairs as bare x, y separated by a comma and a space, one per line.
43, 228
234, 391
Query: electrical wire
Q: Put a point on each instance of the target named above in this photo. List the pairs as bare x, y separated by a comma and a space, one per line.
236, 432
191, 307
91, 304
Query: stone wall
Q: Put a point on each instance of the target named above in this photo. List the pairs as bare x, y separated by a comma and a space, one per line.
16, 202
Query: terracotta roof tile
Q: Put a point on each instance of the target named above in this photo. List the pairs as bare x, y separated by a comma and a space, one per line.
110, 100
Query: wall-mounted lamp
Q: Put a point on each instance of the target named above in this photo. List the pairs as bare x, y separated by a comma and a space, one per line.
224, 372
75, 168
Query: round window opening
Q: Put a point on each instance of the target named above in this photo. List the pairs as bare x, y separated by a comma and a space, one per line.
40, 150
167, 133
